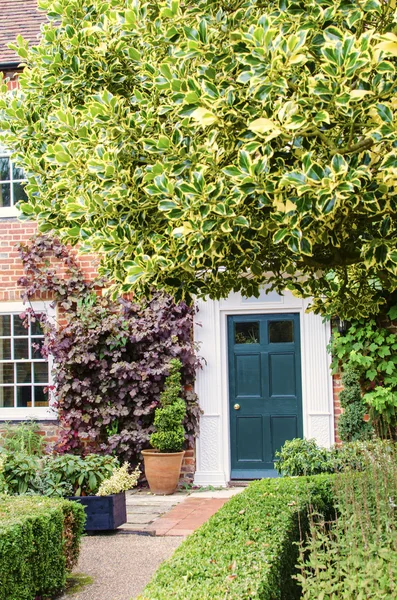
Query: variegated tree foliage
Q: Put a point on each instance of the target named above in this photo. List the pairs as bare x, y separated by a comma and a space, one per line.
199, 146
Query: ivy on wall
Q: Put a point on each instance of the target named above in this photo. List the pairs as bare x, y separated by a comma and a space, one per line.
368, 352
110, 357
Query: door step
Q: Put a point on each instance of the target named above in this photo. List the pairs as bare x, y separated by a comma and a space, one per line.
236, 483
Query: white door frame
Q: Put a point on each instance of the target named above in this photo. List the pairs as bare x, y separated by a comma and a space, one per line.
212, 384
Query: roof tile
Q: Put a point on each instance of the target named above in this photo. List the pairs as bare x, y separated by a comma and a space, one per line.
18, 17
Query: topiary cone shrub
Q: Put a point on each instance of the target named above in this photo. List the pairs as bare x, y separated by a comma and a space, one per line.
163, 463
170, 434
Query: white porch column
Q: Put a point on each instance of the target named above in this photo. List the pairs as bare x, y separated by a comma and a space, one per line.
209, 468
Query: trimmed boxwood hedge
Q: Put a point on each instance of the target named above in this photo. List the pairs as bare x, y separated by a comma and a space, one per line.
39, 543
248, 548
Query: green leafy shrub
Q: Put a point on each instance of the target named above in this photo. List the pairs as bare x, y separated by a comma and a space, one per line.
351, 424
23, 437
57, 476
303, 457
355, 556
83, 474
383, 405
19, 472
170, 433
248, 548
39, 542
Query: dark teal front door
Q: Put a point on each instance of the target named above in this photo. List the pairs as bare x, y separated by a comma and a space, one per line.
265, 390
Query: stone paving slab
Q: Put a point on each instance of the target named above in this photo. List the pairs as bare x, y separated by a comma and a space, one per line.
120, 565
178, 514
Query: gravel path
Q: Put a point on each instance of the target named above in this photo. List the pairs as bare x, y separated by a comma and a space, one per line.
120, 564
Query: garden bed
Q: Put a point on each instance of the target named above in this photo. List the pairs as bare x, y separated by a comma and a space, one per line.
248, 548
39, 543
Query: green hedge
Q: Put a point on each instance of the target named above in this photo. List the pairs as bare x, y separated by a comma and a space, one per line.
247, 549
39, 542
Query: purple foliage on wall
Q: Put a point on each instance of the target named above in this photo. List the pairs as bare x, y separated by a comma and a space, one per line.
110, 357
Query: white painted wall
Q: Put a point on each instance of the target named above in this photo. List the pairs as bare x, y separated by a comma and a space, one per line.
212, 386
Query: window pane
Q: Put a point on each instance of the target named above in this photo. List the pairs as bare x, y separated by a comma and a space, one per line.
6, 373
24, 396
37, 344
5, 197
40, 372
40, 396
281, 332
246, 333
24, 372
7, 397
17, 173
5, 349
5, 325
4, 168
36, 329
19, 192
21, 348
19, 329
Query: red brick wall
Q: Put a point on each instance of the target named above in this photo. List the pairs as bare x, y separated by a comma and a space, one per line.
12, 233
337, 388
49, 430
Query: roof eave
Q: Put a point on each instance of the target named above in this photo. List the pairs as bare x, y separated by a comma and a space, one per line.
8, 66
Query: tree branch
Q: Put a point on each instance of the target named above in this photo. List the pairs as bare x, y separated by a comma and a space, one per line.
364, 144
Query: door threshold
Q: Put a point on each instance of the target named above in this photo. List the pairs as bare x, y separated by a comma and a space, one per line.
250, 475
237, 483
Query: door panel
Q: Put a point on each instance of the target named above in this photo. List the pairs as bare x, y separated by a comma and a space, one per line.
248, 375
264, 390
250, 438
282, 429
282, 374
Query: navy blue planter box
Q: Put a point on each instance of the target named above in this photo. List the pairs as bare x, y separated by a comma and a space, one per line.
103, 512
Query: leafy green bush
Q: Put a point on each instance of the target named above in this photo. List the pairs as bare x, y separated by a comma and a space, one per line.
23, 437
383, 405
247, 549
170, 434
355, 556
351, 424
83, 474
303, 457
19, 472
39, 542
57, 476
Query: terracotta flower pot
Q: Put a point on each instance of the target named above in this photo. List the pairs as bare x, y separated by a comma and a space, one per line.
162, 470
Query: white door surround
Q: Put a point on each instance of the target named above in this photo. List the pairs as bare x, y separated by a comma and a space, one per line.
212, 384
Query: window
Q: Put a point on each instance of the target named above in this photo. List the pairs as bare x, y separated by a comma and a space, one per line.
24, 373
12, 190
281, 332
246, 333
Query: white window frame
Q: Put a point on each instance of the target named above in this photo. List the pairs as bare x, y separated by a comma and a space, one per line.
9, 211
41, 413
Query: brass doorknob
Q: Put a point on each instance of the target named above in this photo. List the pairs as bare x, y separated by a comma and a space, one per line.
236, 407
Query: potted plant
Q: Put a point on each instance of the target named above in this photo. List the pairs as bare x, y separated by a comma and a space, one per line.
107, 509
163, 462
95, 481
